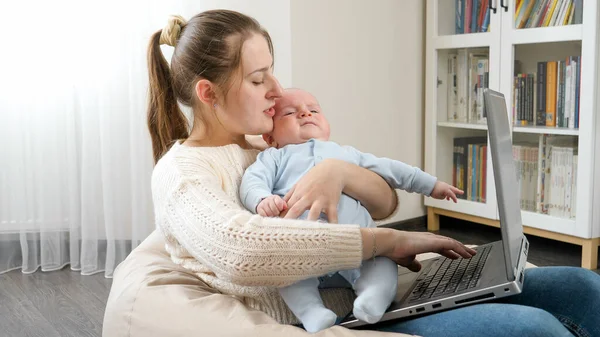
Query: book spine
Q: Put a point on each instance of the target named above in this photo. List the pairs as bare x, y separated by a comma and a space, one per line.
541, 96
577, 88
551, 94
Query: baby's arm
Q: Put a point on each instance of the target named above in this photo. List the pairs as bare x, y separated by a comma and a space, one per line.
396, 173
259, 180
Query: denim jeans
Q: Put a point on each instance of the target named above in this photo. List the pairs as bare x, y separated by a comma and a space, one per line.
556, 301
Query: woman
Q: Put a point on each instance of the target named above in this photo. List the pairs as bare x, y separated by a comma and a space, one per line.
222, 68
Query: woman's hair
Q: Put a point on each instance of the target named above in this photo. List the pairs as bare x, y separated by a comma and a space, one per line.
209, 47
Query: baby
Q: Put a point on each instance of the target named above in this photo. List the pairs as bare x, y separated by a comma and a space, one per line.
299, 141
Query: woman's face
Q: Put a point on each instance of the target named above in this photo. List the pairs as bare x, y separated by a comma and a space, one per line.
249, 104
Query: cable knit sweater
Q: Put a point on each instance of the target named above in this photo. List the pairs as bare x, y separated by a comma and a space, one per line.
208, 231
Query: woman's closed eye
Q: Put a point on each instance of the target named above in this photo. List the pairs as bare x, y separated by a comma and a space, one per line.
258, 82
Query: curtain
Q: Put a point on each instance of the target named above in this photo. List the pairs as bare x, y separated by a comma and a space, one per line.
75, 153
75, 150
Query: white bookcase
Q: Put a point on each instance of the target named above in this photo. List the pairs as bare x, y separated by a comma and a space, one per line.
507, 48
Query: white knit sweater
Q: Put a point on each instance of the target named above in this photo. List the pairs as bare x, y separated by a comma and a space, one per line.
208, 231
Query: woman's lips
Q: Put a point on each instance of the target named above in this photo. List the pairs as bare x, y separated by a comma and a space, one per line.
270, 112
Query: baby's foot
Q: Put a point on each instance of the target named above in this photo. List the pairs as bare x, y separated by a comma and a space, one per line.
370, 306
317, 319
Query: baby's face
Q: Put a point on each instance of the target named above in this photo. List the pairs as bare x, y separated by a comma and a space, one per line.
298, 118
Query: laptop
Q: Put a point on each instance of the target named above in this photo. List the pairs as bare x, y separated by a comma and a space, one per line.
496, 270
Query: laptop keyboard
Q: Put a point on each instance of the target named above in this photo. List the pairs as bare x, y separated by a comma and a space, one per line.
447, 276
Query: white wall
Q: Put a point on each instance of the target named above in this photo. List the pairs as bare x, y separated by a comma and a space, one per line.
364, 61
274, 15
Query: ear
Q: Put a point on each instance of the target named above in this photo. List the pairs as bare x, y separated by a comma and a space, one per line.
269, 139
205, 92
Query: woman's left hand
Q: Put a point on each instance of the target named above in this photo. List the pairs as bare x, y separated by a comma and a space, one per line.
318, 191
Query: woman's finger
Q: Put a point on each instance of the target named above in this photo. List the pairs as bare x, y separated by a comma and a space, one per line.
332, 214
315, 211
414, 266
288, 196
450, 254
457, 247
296, 209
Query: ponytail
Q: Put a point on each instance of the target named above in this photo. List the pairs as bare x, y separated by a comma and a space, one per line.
166, 122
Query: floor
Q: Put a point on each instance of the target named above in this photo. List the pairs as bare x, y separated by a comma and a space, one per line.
64, 303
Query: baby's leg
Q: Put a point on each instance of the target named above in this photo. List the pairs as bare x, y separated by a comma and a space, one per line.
305, 302
375, 289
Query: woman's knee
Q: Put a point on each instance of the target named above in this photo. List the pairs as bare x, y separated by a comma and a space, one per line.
537, 322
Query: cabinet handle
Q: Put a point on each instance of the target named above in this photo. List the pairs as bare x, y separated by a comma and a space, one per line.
504, 6
492, 8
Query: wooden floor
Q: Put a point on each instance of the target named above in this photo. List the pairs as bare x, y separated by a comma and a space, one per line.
64, 303
52, 304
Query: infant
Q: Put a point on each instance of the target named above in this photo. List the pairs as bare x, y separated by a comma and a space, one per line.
299, 141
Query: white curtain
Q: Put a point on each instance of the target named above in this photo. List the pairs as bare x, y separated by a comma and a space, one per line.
74, 147
75, 153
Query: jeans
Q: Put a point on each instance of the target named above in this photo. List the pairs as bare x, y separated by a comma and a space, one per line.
556, 301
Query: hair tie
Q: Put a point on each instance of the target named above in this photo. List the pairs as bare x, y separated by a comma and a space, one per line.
170, 34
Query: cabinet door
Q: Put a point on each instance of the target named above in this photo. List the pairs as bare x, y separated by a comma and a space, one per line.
459, 63
550, 100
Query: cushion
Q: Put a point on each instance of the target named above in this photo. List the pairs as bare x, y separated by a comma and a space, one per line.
152, 296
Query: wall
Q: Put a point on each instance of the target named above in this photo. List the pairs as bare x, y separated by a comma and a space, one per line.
364, 61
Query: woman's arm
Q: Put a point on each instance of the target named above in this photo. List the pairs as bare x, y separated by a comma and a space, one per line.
370, 189
241, 247
320, 190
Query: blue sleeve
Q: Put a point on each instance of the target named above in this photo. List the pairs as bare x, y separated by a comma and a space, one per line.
259, 179
398, 174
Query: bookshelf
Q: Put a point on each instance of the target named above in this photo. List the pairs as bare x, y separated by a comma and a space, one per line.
553, 116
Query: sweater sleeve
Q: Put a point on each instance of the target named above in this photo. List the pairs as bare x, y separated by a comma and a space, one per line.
258, 179
247, 249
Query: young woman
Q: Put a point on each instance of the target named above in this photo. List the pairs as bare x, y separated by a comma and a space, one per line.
222, 67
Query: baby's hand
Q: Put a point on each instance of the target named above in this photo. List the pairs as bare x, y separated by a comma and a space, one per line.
442, 190
271, 206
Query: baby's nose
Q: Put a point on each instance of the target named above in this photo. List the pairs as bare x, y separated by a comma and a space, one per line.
305, 114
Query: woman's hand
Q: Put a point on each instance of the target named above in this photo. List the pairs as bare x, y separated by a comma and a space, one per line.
319, 191
402, 247
443, 190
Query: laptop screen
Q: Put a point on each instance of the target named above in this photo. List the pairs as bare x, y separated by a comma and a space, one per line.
505, 177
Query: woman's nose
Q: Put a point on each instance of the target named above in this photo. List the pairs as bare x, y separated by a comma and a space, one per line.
276, 90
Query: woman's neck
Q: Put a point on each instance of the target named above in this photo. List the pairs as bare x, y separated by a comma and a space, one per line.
215, 139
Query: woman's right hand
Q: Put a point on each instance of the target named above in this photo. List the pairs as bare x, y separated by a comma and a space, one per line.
402, 247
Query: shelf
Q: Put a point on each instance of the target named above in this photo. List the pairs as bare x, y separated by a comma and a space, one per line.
547, 34
464, 206
547, 130
471, 126
462, 41
549, 223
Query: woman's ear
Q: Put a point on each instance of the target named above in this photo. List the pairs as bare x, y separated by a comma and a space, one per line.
269, 140
205, 92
